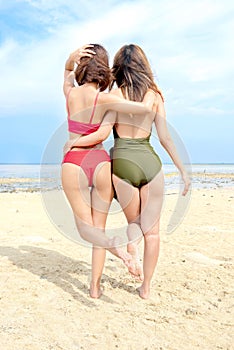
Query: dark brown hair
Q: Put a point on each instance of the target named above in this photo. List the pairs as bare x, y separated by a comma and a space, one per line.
94, 69
132, 73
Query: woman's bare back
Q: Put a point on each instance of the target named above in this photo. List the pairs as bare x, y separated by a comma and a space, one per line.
133, 126
81, 102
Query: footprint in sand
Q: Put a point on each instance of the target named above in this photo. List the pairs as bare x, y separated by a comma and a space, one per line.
36, 239
203, 259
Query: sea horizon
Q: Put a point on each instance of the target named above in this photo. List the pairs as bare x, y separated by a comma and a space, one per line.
35, 177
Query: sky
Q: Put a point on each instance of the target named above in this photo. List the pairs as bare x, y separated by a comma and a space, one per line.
189, 43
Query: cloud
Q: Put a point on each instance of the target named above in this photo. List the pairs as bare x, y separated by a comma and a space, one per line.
36, 66
189, 44
35, 71
207, 111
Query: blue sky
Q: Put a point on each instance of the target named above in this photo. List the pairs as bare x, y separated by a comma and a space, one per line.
190, 45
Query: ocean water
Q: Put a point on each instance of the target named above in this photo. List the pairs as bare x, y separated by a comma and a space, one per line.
37, 177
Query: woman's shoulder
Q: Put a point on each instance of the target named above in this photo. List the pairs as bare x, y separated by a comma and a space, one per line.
152, 92
156, 95
73, 91
116, 91
109, 96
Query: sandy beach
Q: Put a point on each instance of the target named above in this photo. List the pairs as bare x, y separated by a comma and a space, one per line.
44, 280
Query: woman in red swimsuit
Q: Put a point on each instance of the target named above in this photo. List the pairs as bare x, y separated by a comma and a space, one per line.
90, 167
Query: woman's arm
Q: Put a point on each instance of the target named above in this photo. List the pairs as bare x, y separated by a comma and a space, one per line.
119, 104
68, 83
146, 106
98, 136
168, 144
108, 121
74, 58
69, 74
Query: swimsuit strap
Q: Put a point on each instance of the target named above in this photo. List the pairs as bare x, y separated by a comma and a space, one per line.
116, 136
94, 107
68, 112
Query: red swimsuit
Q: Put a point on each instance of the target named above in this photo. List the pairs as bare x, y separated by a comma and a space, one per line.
87, 159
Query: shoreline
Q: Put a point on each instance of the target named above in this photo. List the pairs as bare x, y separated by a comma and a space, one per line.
32, 184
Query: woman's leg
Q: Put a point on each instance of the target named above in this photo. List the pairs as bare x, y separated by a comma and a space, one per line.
101, 198
151, 205
129, 200
75, 186
102, 195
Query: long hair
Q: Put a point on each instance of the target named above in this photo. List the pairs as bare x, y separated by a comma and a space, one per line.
132, 72
94, 69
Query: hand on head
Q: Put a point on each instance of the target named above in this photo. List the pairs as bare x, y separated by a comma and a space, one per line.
84, 51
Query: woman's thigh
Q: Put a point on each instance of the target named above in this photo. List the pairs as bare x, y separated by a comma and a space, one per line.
102, 194
75, 186
128, 197
151, 203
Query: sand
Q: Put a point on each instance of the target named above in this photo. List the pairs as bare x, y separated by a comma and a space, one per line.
44, 280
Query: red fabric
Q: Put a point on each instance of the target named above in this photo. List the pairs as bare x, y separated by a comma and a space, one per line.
82, 128
87, 160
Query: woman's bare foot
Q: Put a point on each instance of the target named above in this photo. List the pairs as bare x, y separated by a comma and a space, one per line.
95, 291
135, 267
118, 252
144, 292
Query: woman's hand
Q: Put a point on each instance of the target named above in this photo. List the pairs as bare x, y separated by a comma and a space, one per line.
67, 147
75, 57
84, 51
187, 183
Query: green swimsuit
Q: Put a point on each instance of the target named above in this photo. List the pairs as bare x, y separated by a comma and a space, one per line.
134, 160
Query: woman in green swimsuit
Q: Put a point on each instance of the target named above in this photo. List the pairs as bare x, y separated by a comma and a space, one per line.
137, 175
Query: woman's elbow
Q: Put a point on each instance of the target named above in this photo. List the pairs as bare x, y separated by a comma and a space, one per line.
165, 141
147, 107
149, 110
103, 136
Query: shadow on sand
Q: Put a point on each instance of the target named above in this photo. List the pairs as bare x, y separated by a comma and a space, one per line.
60, 270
